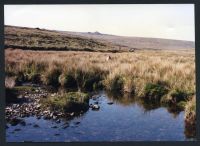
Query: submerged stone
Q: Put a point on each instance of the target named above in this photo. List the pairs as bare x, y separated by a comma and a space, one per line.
95, 107
36, 126
15, 121
110, 103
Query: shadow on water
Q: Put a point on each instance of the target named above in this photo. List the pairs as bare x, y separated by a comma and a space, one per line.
128, 99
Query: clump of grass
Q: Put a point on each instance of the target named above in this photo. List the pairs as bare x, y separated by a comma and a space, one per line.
176, 97
20, 78
182, 105
92, 81
129, 85
51, 77
190, 111
24, 88
35, 78
67, 80
89, 79
114, 83
154, 91
190, 118
68, 102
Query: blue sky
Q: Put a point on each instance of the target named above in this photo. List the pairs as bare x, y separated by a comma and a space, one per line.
172, 21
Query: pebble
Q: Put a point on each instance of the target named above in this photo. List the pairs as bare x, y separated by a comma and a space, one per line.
54, 94
65, 126
15, 121
96, 102
54, 127
17, 130
72, 114
110, 103
36, 126
23, 123
95, 107
58, 121
76, 123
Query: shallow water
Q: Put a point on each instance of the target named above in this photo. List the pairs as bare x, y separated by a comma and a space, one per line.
124, 120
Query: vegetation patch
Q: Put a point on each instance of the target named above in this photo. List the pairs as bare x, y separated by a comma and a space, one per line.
190, 118
21, 78
177, 98
68, 102
178, 95
51, 77
114, 84
154, 91
67, 80
89, 80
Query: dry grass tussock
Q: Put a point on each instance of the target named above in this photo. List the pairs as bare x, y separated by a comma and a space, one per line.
133, 70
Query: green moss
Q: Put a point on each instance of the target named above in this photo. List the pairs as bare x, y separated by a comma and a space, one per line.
69, 102
155, 91
182, 104
176, 97
24, 88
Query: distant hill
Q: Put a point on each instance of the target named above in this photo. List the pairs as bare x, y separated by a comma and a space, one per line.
42, 39
138, 42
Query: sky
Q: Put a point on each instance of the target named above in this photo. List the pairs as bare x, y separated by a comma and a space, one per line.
171, 21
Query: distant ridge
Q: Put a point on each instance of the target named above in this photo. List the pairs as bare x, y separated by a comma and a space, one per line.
43, 39
138, 42
95, 33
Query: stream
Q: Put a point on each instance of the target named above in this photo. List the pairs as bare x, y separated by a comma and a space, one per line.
116, 120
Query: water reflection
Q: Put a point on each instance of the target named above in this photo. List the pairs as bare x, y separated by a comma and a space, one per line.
190, 130
128, 99
122, 99
135, 118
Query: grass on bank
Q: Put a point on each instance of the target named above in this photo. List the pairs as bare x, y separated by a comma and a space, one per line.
67, 102
190, 118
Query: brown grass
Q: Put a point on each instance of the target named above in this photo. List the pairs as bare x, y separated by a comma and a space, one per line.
177, 69
166, 76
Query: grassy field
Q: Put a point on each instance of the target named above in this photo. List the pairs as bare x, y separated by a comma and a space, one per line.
164, 77
167, 72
